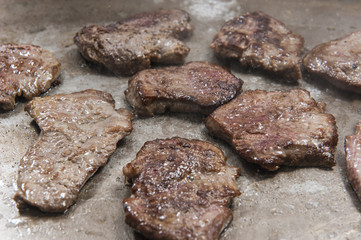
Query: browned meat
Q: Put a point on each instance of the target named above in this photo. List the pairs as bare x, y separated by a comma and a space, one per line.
25, 70
338, 61
260, 41
277, 128
79, 133
353, 159
131, 45
194, 87
181, 190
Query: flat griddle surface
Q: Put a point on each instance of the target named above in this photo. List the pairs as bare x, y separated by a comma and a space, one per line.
293, 203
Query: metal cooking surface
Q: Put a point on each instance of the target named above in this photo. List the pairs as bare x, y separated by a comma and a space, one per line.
293, 203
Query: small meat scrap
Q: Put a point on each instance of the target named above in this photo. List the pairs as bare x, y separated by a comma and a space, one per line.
338, 61
181, 190
131, 45
25, 70
353, 159
261, 42
79, 132
277, 128
193, 87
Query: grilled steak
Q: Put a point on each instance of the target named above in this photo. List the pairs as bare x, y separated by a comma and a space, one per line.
79, 133
260, 41
194, 87
181, 190
25, 70
132, 44
338, 61
353, 159
277, 128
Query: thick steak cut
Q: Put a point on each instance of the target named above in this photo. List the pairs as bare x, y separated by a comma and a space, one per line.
25, 70
353, 159
132, 44
277, 128
194, 87
182, 189
79, 132
260, 41
338, 61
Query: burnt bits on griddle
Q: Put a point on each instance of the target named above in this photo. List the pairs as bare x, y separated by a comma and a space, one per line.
132, 44
193, 87
261, 42
181, 190
25, 70
338, 61
353, 159
277, 128
79, 132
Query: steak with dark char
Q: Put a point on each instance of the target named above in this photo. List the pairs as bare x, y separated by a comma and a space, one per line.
79, 132
353, 159
261, 42
132, 44
25, 70
277, 128
181, 190
338, 61
194, 87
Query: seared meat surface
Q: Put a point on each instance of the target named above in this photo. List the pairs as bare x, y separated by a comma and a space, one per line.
338, 61
353, 159
132, 44
194, 87
79, 132
261, 42
25, 70
181, 190
277, 128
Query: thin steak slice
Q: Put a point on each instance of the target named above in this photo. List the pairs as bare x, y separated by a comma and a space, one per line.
25, 70
277, 128
353, 159
194, 87
261, 42
79, 132
338, 61
132, 44
182, 189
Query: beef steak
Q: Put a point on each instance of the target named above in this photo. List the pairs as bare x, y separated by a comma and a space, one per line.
79, 132
194, 87
181, 190
353, 159
260, 41
132, 44
277, 128
25, 70
338, 61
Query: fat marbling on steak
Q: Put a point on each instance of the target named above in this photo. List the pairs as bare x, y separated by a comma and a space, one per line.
25, 70
79, 132
261, 42
193, 87
338, 61
353, 159
277, 128
132, 44
181, 190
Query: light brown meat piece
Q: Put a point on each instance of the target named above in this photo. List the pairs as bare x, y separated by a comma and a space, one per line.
193, 87
277, 128
25, 70
132, 44
182, 189
261, 42
338, 61
79, 132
